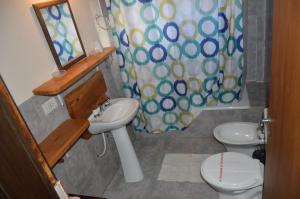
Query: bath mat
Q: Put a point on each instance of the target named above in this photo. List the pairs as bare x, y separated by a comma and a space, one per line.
182, 167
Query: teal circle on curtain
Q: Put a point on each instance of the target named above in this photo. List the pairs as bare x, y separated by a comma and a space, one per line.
206, 12
68, 47
241, 62
128, 56
208, 19
209, 82
183, 103
61, 29
116, 39
154, 10
137, 60
172, 47
197, 103
157, 29
174, 118
224, 42
128, 91
227, 97
239, 4
116, 3
172, 128
161, 88
193, 43
215, 63
157, 71
238, 23
128, 3
231, 48
240, 81
125, 75
154, 103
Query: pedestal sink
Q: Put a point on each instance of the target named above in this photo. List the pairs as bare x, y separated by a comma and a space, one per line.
114, 118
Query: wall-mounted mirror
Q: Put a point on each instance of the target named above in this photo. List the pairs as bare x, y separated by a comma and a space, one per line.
59, 27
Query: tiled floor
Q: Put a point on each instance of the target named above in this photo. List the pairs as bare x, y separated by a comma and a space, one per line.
197, 139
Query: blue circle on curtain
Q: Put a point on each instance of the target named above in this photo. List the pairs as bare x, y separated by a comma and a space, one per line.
157, 29
58, 48
200, 102
227, 97
68, 48
209, 82
166, 27
213, 21
193, 43
124, 40
52, 14
139, 61
128, 91
128, 3
183, 103
178, 85
156, 47
239, 43
163, 92
238, 23
206, 12
70, 58
151, 102
136, 89
121, 57
223, 18
205, 42
167, 99
154, 10
231, 48
145, 1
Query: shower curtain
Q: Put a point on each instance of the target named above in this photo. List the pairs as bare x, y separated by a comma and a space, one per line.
178, 56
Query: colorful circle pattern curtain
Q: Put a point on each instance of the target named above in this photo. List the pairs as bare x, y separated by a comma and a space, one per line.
177, 57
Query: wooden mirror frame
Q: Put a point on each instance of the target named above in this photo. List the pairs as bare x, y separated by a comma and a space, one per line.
37, 7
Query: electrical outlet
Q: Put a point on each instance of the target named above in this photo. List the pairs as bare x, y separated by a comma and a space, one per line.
49, 106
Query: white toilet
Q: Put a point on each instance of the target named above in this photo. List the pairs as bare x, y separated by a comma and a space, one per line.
234, 175
241, 137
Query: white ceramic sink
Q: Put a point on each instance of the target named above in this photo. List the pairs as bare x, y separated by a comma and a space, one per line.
114, 118
120, 112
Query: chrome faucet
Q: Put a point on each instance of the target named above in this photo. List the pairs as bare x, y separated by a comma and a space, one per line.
105, 105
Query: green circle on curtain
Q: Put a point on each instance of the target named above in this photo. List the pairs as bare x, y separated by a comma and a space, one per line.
132, 73
222, 60
187, 43
224, 42
231, 46
133, 42
161, 88
183, 103
128, 56
188, 34
211, 20
230, 82
178, 70
206, 12
155, 107
138, 60
238, 23
149, 87
240, 81
197, 100
154, 10
158, 30
161, 71
172, 128
239, 4
172, 49
231, 25
118, 18
227, 97
161, 9
215, 64
186, 118
241, 62
128, 3
170, 118
194, 84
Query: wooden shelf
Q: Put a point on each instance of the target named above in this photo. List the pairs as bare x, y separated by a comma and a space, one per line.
55, 86
62, 138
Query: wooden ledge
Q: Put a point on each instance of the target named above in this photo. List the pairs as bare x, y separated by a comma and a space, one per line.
56, 86
62, 138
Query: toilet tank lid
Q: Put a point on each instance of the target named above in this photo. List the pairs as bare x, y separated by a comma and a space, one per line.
233, 171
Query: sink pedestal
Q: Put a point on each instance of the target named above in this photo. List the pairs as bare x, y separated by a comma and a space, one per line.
130, 164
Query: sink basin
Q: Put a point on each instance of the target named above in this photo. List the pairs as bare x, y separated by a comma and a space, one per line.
118, 114
114, 118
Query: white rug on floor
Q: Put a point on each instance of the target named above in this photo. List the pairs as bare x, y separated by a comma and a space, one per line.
182, 167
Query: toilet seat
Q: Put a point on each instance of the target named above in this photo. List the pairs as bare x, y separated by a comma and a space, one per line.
232, 171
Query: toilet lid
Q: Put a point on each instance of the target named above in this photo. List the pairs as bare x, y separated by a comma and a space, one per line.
232, 170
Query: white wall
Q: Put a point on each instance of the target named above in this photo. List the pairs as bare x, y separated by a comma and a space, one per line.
26, 60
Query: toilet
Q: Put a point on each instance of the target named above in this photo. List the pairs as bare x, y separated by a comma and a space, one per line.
241, 137
234, 175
